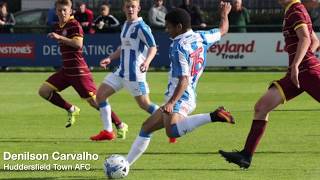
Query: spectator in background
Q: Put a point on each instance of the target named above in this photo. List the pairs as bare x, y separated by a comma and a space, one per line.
7, 20
195, 13
85, 18
157, 14
239, 16
105, 22
313, 9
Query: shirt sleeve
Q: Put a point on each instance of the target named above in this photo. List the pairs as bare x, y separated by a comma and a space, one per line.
115, 22
146, 36
296, 19
75, 30
211, 36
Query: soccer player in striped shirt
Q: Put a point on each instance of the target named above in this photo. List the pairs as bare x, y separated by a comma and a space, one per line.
136, 52
303, 75
187, 54
75, 71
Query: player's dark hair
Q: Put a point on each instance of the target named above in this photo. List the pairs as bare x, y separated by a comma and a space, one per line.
4, 4
179, 16
64, 2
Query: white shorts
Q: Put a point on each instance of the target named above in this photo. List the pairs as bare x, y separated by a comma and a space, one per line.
134, 87
183, 107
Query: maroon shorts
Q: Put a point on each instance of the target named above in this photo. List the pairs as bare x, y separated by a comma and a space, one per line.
309, 82
84, 85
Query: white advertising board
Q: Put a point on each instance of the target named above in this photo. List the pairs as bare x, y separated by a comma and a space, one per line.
249, 49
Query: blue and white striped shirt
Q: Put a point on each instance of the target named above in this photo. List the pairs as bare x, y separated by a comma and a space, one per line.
136, 39
188, 53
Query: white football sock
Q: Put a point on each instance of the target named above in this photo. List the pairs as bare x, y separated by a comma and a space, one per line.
105, 114
72, 109
191, 122
138, 147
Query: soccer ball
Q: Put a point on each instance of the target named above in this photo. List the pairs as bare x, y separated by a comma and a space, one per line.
116, 167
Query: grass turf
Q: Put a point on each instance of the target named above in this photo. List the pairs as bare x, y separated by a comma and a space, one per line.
289, 149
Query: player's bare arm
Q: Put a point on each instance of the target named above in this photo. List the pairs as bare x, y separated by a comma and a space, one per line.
314, 42
106, 61
225, 9
152, 51
76, 42
302, 48
178, 92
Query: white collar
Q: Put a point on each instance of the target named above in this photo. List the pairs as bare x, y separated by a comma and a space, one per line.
139, 19
184, 34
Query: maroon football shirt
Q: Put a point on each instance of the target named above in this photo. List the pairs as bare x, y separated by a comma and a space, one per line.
295, 16
73, 61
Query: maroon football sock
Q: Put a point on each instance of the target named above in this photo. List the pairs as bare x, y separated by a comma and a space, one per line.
116, 120
254, 136
57, 100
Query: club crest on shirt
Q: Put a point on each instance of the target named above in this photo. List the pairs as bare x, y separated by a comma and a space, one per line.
64, 32
133, 29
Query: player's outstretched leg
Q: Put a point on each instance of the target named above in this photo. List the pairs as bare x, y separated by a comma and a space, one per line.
188, 124
262, 108
48, 92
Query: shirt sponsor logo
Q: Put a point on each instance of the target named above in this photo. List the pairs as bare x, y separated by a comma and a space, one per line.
24, 50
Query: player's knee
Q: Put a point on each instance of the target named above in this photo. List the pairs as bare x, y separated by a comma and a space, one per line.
100, 98
172, 131
146, 126
260, 108
43, 92
144, 106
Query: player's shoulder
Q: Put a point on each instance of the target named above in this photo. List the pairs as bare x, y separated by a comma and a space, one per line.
296, 8
189, 38
73, 23
211, 31
183, 43
143, 25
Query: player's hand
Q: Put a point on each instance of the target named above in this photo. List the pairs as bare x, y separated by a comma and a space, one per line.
295, 76
105, 62
54, 36
225, 8
2, 22
167, 108
144, 67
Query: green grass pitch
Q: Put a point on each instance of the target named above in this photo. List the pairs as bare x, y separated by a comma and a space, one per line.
289, 150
